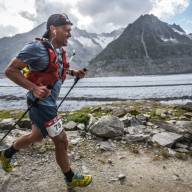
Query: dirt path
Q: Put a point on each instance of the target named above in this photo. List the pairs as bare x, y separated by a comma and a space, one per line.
36, 171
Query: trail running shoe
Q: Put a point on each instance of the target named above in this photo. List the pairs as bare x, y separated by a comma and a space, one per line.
78, 180
5, 162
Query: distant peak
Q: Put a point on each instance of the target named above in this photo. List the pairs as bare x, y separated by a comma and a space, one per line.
148, 18
178, 27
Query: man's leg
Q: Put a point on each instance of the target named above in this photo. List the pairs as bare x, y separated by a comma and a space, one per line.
26, 140
61, 146
22, 142
73, 180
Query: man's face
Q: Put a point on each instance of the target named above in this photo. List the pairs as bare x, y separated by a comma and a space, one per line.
62, 34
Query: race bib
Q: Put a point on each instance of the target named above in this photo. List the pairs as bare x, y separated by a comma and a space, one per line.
54, 127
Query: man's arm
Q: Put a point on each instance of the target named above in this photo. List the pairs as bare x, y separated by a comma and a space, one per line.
13, 72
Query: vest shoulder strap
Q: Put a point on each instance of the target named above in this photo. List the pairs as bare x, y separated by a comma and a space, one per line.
51, 52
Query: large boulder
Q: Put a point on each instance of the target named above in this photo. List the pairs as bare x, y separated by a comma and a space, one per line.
70, 126
25, 123
187, 106
119, 112
184, 126
7, 124
136, 138
166, 138
92, 120
108, 127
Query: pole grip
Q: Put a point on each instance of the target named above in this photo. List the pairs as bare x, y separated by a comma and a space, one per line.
77, 78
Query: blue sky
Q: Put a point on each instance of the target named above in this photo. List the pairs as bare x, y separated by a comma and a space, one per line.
183, 19
98, 16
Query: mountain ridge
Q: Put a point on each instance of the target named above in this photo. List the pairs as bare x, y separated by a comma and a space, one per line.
146, 47
87, 45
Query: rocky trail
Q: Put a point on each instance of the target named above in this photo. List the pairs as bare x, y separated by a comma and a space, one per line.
135, 154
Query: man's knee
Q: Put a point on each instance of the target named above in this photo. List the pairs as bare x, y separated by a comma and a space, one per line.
61, 139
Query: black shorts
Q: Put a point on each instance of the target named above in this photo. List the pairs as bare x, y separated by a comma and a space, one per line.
40, 114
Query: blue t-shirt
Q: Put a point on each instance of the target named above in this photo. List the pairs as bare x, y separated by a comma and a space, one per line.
35, 55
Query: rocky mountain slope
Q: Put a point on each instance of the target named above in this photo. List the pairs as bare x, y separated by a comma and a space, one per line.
87, 45
147, 46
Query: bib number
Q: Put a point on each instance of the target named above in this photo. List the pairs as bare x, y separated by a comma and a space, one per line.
54, 127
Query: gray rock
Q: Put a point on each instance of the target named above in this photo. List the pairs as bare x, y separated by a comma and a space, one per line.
121, 176
70, 126
161, 112
172, 122
126, 130
92, 120
171, 152
180, 145
110, 161
166, 126
7, 123
126, 120
143, 119
81, 126
187, 106
136, 129
119, 112
182, 150
75, 141
113, 179
25, 123
184, 126
96, 109
149, 124
155, 131
107, 109
106, 145
85, 170
136, 138
135, 122
184, 118
108, 127
188, 115
166, 138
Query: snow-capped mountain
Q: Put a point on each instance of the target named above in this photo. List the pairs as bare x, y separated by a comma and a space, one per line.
87, 45
180, 31
147, 46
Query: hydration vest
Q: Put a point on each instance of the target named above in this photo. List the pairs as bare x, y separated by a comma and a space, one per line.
50, 75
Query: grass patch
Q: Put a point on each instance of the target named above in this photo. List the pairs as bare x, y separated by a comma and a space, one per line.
134, 112
82, 115
79, 116
4, 114
182, 156
164, 153
179, 112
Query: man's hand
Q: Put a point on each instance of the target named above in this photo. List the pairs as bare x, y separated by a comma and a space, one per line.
41, 92
79, 73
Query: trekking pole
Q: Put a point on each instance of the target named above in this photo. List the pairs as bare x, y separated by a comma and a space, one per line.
73, 54
16, 123
75, 82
